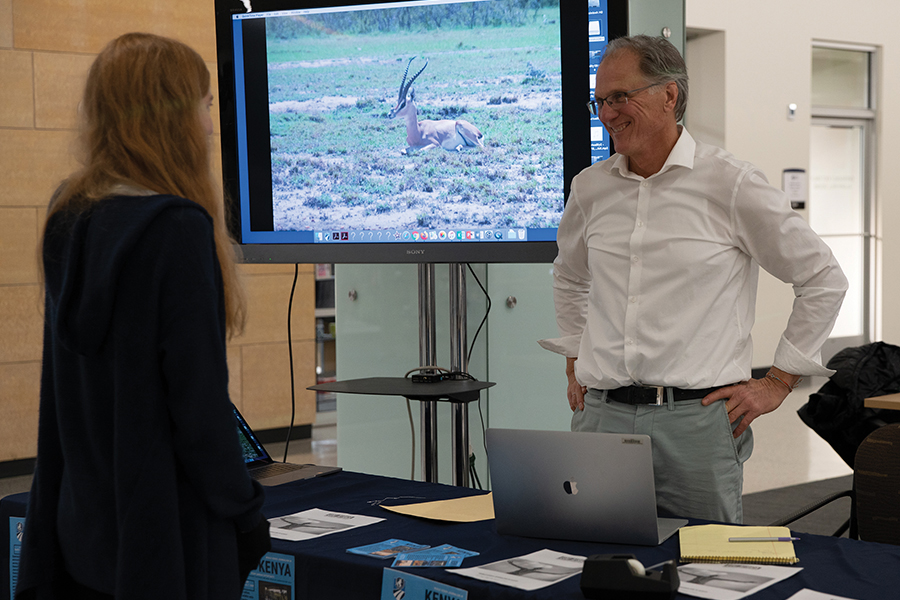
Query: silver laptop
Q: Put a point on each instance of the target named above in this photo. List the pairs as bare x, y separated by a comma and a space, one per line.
592, 487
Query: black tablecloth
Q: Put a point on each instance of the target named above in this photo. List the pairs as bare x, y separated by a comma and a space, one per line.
324, 568
860, 570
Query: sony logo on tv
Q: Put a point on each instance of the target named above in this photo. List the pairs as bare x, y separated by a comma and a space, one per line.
415, 252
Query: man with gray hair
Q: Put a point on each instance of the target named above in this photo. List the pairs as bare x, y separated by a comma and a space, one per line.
655, 287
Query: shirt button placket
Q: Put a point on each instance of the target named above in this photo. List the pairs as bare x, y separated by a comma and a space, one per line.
634, 280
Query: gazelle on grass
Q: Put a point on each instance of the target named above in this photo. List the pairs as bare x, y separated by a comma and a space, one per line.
449, 134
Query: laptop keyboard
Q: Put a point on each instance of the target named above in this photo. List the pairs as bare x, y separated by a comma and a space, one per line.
272, 469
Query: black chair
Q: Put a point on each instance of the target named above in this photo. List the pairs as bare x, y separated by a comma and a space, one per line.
850, 523
875, 497
876, 483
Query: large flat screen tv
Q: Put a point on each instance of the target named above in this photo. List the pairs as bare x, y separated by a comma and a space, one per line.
406, 131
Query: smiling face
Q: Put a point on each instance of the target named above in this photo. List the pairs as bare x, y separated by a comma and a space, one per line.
644, 129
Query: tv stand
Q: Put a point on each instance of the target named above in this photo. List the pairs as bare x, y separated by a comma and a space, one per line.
459, 392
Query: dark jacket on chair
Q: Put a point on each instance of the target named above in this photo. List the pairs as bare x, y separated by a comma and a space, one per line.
837, 411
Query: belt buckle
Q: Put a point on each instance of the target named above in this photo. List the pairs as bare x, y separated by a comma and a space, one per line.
660, 393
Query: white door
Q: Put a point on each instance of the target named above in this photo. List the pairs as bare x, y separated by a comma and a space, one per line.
840, 212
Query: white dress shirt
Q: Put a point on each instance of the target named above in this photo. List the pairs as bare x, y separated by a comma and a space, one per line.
655, 281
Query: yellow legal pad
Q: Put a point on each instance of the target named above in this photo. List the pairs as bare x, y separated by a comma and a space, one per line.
459, 510
709, 543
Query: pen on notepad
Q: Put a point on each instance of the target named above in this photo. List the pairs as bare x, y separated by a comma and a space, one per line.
763, 539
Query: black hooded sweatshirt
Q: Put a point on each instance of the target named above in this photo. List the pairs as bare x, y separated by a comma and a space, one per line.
140, 489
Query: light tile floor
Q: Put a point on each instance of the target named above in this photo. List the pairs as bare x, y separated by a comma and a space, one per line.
14, 485
320, 449
786, 451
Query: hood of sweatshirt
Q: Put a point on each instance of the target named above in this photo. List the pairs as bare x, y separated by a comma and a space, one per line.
84, 253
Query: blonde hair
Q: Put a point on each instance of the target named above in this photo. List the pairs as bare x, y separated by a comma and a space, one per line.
141, 128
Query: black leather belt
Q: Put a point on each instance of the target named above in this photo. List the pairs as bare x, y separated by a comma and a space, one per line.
649, 394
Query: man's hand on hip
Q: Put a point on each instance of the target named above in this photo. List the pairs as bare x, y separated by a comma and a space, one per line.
575, 391
749, 400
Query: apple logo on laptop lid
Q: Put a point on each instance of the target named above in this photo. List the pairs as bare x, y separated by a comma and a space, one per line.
571, 486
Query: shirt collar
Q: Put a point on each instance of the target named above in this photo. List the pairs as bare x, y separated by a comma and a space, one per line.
682, 155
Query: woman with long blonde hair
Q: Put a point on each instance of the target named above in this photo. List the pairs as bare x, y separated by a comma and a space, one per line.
140, 490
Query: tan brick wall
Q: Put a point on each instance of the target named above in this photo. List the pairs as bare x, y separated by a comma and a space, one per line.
46, 48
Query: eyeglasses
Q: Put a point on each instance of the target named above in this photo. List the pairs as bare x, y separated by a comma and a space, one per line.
615, 100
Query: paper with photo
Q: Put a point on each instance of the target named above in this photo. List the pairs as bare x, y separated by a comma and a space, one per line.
314, 523
811, 595
729, 581
529, 572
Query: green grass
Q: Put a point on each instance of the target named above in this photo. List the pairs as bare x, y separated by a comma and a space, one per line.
351, 156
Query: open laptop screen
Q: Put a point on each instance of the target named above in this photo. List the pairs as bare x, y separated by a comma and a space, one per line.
254, 452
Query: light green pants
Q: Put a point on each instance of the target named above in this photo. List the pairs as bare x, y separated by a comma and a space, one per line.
698, 466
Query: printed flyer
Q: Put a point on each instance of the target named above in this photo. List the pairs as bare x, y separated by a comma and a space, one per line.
398, 585
316, 522
387, 549
529, 572
16, 529
273, 579
729, 581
